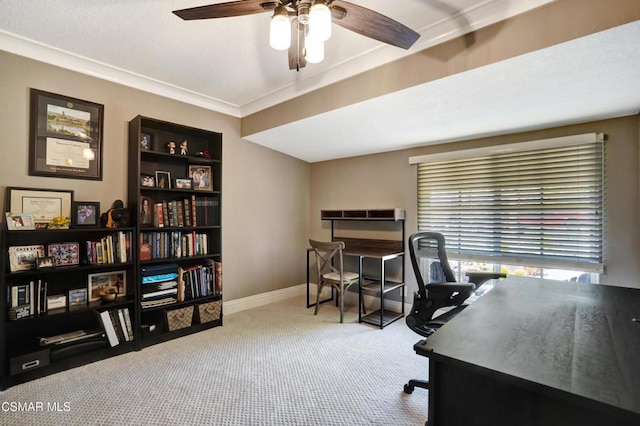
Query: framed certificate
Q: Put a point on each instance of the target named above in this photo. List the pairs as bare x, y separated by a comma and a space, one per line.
65, 137
42, 204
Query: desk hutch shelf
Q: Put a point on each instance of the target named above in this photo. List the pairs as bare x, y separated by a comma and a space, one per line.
384, 252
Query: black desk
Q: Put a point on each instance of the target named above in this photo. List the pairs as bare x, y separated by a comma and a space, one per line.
382, 251
538, 352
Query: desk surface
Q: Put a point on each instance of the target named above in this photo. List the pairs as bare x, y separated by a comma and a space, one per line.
570, 340
363, 247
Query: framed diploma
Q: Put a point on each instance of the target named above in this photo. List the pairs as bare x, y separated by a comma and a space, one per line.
42, 204
65, 137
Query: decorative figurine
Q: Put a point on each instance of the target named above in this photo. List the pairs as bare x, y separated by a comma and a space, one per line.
172, 147
183, 147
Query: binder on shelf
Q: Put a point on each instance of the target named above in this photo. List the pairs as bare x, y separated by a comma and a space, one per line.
127, 319
107, 325
123, 325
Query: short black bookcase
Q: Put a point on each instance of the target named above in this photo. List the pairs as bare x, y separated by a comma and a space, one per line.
40, 338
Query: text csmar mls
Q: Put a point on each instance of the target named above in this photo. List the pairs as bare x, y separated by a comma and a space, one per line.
34, 406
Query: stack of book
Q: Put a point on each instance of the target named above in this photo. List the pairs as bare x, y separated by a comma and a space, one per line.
159, 285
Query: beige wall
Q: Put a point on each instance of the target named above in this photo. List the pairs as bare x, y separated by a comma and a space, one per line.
265, 193
387, 180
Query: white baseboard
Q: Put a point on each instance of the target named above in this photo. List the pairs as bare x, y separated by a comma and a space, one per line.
238, 305
257, 300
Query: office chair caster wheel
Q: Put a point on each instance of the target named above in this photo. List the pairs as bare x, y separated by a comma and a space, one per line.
408, 389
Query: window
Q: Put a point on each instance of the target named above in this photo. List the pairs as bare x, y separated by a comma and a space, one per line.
541, 208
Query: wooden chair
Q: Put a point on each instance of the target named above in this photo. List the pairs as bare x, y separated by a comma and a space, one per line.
330, 267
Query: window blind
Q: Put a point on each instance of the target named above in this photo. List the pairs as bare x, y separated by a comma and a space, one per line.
541, 207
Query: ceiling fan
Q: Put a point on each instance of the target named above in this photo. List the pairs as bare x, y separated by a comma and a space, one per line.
302, 26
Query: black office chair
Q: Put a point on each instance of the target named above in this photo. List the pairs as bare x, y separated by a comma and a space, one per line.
439, 292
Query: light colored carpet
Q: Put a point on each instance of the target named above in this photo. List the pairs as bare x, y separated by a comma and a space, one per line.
273, 365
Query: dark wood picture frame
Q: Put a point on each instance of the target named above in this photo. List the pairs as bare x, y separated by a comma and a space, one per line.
147, 181
85, 214
45, 262
146, 211
65, 137
146, 142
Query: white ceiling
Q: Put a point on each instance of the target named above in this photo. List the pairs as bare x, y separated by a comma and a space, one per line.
226, 65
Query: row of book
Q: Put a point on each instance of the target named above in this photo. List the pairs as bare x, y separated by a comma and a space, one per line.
117, 325
26, 300
190, 211
200, 281
112, 248
174, 244
171, 283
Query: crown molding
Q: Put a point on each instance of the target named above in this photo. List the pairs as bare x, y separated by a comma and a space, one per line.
484, 14
21, 46
448, 28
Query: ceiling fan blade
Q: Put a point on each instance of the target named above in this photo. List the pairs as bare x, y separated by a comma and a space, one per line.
373, 24
296, 50
224, 10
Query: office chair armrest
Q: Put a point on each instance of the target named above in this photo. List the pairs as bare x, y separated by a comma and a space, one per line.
449, 290
479, 278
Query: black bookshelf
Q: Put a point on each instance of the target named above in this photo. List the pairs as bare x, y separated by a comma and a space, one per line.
183, 190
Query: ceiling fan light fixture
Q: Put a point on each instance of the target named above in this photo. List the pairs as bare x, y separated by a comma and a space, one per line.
320, 20
280, 29
314, 49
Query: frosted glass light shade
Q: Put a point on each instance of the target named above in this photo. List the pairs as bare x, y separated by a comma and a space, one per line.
280, 32
314, 49
320, 21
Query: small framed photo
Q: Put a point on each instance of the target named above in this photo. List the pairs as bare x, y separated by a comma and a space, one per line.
45, 262
146, 211
57, 301
146, 142
201, 176
20, 221
183, 183
85, 213
147, 181
77, 297
23, 258
107, 283
163, 180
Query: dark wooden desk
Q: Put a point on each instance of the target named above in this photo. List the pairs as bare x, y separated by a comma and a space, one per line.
538, 352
